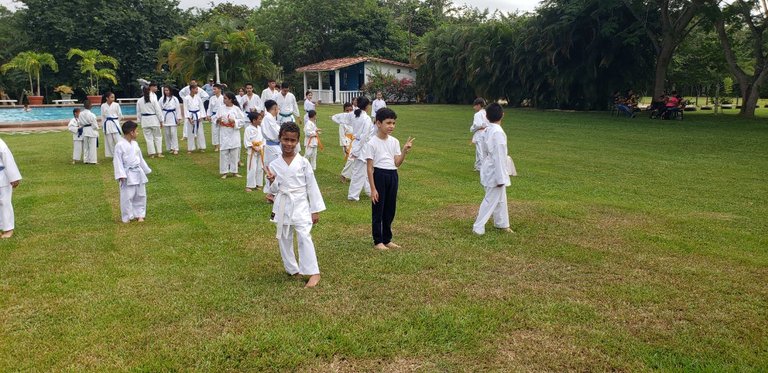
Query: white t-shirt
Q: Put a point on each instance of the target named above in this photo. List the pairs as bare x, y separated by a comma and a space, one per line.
383, 152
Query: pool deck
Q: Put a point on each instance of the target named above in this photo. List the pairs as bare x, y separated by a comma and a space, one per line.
41, 125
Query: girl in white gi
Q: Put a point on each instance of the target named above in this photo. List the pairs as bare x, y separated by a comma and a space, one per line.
194, 111
230, 119
308, 105
363, 129
289, 108
150, 116
479, 123
270, 129
494, 174
87, 122
344, 120
77, 136
9, 179
254, 143
378, 103
298, 203
131, 174
311, 138
111, 115
242, 99
171, 119
214, 105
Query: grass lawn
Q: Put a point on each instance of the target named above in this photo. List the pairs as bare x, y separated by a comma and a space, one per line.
640, 245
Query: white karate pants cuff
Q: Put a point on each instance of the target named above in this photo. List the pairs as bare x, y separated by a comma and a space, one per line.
133, 202
494, 204
359, 180
307, 260
6, 208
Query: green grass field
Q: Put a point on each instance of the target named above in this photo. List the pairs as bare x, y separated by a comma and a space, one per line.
640, 245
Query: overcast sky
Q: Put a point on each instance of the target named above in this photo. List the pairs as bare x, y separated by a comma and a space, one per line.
503, 5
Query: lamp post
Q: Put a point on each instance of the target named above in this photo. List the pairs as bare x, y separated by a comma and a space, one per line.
207, 46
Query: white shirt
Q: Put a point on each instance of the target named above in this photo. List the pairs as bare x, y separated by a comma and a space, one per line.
243, 102
129, 163
215, 103
345, 127
171, 111
378, 104
268, 94
151, 107
10, 172
253, 103
308, 105
111, 111
383, 152
270, 128
479, 122
493, 168
73, 126
310, 134
287, 103
87, 120
363, 129
229, 138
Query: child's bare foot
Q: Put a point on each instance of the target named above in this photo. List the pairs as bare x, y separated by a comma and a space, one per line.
393, 245
202, 150
151, 156
238, 175
140, 220
248, 190
506, 230
224, 176
189, 152
7, 234
160, 155
313, 281
73, 162
380, 246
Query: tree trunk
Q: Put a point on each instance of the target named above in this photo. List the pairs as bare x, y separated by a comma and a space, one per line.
31, 84
662, 65
38, 83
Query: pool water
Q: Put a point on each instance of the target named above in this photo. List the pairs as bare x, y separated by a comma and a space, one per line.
50, 113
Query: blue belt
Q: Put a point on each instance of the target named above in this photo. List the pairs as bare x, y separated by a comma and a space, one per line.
170, 111
196, 119
286, 115
147, 114
113, 120
2, 168
273, 143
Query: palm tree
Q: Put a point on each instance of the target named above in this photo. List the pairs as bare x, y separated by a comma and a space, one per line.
88, 64
31, 63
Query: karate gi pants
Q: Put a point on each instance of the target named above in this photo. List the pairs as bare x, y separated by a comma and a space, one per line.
154, 138
110, 139
89, 149
228, 159
271, 152
215, 137
347, 170
359, 180
494, 204
383, 212
6, 208
255, 176
311, 155
77, 149
133, 202
478, 156
307, 261
196, 139
171, 138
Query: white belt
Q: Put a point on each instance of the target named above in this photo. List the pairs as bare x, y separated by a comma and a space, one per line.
283, 228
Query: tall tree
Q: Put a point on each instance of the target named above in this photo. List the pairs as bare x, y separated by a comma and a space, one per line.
88, 63
31, 63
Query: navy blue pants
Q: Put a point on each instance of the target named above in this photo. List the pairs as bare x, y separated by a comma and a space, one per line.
383, 212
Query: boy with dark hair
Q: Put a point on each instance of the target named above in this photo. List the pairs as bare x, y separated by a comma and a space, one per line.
494, 173
131, 174
311, 138
87, 122
479, 123
77, 136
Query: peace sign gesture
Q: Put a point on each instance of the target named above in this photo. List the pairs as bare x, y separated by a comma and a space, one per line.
408, 144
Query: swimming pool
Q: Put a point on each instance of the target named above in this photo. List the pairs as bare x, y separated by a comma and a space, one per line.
50, 113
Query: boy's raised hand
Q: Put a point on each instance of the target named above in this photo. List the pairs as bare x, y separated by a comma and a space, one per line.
408, 144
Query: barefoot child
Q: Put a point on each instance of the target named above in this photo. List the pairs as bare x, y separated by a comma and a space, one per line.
494, 173
271, 131
171, 119
479, 123
344, 120
77, 136
383, 158
230, 119
131, 173
311, 138
9, 180
87, 122
254, 143
363, 129
194, 112
298, 203
111, 115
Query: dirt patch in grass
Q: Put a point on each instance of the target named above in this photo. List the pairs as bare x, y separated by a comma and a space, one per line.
540, 350
341, 364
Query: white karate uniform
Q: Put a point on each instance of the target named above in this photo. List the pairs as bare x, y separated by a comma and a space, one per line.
376, 105
479, 123
87, 120
311, 142
255, 175
149, 115
229, 153
308, 105
268, 94
270, 129
130, 165
184, 92
243, 102
297, 197
289, 108
493, 172
111, 116
77, 141
363, 129
194, 112
344, 120
253, 104
9, 173
214, 105
171, 115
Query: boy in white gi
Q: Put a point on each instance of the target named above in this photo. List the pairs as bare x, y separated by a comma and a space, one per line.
253, 101
270, 129
131, 174
150, 116
378, 103
363, 129
298, 203
171, 119
230, 119
289, 108
479, 123
383, 158
9, 179
271, 92
254, 143
494, 174
344, 120
214, 105
77, 136
87, 122
194, 112
111, 115
311, 138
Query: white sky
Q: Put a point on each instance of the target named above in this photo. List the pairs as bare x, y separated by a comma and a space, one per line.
503, 5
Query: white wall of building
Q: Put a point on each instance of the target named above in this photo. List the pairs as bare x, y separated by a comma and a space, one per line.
405, 72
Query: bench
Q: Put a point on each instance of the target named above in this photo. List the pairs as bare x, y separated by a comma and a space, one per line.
64, 102
127, 100
11, 102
